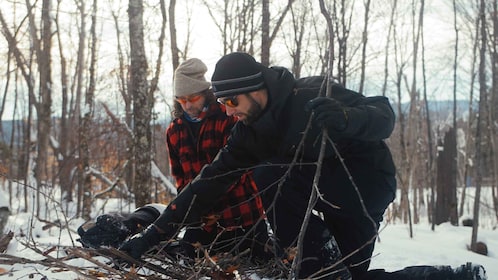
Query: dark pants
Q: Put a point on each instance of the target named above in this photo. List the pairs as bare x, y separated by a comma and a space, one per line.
232, 241
345, 220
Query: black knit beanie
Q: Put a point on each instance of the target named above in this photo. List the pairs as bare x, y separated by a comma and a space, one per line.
237, 73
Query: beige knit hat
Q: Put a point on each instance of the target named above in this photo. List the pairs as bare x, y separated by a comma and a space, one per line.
189, 77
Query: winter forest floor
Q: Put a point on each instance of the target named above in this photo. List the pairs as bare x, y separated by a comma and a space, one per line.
40, 245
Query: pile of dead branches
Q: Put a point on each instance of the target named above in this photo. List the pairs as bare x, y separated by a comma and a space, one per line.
110, 263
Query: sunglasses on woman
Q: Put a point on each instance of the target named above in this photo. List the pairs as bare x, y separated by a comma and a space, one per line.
184, 99
231, 101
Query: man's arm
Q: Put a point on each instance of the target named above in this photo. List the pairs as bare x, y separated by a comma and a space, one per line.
199, 196
350, 115
371, 119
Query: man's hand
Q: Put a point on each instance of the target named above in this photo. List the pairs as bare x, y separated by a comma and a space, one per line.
107, 230
329, 113
141, 242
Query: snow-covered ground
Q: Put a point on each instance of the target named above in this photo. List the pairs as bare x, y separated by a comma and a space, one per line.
446, 245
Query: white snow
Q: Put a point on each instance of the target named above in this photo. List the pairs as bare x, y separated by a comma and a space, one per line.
446, 245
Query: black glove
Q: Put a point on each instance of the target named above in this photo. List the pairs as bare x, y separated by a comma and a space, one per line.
107, 230
329, 113
141, 242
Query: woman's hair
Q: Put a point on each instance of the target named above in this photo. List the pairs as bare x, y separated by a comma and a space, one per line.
177, 107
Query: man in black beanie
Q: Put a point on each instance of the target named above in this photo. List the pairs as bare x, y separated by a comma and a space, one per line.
275, 110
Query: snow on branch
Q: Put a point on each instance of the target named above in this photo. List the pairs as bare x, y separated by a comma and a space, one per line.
156, 173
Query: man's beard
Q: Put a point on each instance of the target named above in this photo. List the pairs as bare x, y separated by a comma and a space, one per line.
254, 111
194, 113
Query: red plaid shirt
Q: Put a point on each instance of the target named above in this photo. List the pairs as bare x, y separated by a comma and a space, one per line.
241, 206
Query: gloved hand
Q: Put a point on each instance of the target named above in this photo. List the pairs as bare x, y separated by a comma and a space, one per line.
329, 113
141, 242
107, 230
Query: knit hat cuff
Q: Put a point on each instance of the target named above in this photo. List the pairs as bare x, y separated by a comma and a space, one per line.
185, 85
237, 73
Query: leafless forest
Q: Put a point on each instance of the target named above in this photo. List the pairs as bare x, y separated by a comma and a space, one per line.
85, 89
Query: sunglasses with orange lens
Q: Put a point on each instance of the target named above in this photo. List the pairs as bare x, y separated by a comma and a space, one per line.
231, 101
184, 99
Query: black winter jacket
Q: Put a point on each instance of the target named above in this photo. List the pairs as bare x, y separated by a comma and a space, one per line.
277, 134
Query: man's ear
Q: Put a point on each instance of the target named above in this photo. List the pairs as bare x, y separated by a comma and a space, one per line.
261, 96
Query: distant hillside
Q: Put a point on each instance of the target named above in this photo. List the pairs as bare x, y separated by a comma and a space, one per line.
443, 109
6, 132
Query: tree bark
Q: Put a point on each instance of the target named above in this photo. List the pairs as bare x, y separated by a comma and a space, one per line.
142, 105
265, 32
87, 121
42, 48
175, 51
482, 105
78, 119
364, 46
446, 204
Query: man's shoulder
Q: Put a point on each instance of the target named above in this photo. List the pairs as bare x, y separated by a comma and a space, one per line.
308, 87
316, 83
311, 81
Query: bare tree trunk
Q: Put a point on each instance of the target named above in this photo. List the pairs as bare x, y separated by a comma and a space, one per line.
296, 263
403, 124
300, 25
342, 30
122, 76
175, 56
445, 204
11, 145
4, 98
364, 46
413, 134
240, 26
43, 53
493, 111
157, 73
467, 154
482, 105
265, 32
454, 206
266, 38
123, 85
25, 69
142, 105
77, 117
430, 145
388, 39
65, 161
402, 145
85, 130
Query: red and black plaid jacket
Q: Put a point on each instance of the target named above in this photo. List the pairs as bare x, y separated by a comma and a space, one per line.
241, 206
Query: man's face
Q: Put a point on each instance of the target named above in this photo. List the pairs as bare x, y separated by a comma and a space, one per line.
246, 107
192, 104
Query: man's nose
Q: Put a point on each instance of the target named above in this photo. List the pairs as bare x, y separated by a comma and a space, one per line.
229, 110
